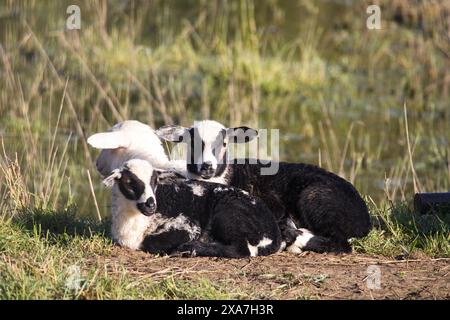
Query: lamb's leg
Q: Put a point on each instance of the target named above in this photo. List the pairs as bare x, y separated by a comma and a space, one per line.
289, 231
165, 242
322, 244
330, 215
300, 240
212, 249
287, 227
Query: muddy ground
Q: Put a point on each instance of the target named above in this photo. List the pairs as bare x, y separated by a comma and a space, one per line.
305, 276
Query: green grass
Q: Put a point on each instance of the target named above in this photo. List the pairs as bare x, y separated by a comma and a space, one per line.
400, 233
42, 250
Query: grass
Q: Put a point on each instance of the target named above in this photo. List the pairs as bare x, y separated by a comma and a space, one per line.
45, 254
371, 106
400, 233
53, 255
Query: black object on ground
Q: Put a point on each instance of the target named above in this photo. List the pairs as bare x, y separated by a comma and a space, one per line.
430, 202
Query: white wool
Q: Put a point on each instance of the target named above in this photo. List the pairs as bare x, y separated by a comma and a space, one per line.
252, 249
264, 242
197, 190
208, 130
180, 222
128, 224
131, 139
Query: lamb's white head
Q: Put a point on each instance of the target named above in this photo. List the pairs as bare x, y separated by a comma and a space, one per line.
207, 142
137, 182
127, 140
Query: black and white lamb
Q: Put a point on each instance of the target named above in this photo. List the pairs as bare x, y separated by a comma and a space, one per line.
127, 140
327, 208
161, 212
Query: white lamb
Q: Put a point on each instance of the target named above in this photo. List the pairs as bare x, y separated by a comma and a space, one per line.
131, 139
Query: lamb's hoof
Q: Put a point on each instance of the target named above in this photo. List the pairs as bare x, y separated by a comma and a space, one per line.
186, 251
294, 249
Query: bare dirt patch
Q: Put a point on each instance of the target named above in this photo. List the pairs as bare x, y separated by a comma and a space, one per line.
305, 276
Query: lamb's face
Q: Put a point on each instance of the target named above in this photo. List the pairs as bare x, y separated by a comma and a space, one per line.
207, 145
137, 181
207, 149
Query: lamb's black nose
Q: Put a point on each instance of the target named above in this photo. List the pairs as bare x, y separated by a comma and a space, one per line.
206, 166
147, 208
150, 202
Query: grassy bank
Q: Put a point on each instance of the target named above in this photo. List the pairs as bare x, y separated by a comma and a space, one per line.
55, 255
37, 263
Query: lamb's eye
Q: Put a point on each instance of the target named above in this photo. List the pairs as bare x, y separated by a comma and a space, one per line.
131, 186
128, 191
224, 144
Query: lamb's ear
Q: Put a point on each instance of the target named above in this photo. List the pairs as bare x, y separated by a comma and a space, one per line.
109, 140
172, 133
111, 179
241, 134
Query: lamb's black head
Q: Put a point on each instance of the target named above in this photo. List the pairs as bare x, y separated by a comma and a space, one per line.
207, 145
137, 182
